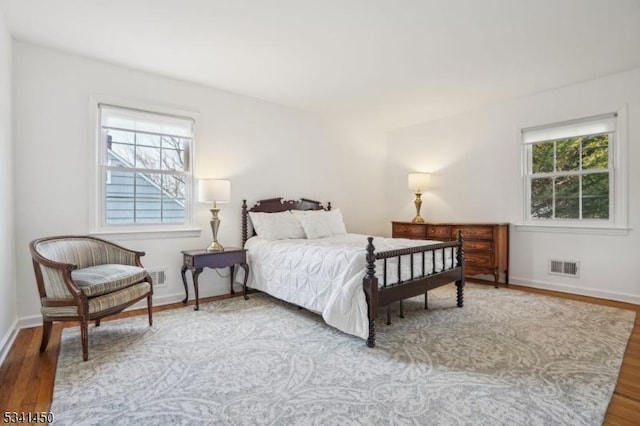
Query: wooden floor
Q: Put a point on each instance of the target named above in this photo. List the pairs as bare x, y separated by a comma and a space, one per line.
27, 376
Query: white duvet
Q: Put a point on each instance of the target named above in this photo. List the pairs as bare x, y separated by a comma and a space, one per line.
325, 275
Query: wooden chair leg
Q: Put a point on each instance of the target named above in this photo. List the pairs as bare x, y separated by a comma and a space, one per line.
46, 334
84, 334
150, 308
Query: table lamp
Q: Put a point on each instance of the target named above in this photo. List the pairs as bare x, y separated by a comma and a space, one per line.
214, 191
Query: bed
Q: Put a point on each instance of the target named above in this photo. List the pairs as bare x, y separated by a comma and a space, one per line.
300, 252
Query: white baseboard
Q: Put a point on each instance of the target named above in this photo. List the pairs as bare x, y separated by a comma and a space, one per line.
166, 299
563, 288
7, 341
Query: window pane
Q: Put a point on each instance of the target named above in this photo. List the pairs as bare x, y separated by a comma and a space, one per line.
119, 190
543, 157
144, 198
595, 196
121, 136
147, 157
567, 197
595, 152
120, 155
172, 160
568, 154
173, 142
147, 140
542, 198
173, 153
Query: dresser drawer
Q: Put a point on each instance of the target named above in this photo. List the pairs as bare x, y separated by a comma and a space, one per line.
438, 232
481, 245
472, 232
413, 231
479, 259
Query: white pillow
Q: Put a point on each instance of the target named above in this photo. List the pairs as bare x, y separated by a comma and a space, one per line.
314, 226
333, 219
276, 226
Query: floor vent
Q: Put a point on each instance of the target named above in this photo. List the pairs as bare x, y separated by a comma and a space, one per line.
569, 268
158, 276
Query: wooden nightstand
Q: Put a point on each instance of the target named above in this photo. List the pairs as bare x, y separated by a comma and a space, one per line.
197, 260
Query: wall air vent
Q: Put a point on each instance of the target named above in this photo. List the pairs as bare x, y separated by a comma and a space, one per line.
569, 268
158, 276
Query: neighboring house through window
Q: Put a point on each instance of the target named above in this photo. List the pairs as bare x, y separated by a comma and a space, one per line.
574, 173
145, 168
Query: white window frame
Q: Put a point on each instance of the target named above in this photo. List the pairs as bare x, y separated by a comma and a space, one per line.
97, 188
618, 212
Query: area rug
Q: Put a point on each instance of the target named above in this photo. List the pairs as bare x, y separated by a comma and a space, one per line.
507, 358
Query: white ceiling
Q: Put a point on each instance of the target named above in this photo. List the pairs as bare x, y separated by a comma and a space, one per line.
393, 62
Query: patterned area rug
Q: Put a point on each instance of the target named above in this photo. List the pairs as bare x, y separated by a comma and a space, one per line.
508, 357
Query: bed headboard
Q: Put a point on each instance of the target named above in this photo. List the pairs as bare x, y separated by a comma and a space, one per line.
275, 205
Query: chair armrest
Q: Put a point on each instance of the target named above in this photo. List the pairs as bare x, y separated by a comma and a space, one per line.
54, 278
121, 255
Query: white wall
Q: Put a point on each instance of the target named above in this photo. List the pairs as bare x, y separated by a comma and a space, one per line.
7, 265
265, 150
476, 157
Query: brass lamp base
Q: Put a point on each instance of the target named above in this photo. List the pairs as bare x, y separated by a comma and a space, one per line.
215, 224
418, 219
215, 246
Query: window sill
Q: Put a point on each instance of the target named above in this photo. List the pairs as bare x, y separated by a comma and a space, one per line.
564, 229
148, 234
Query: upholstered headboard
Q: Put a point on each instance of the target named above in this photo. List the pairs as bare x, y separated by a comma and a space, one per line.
275, 205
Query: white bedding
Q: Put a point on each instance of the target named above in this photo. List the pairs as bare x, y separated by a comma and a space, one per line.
325, 275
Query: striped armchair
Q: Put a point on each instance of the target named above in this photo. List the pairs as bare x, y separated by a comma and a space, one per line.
84, 279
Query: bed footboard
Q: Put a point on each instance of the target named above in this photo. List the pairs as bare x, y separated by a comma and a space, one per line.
418, 282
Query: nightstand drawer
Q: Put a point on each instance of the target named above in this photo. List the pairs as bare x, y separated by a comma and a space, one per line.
439, 232
413, 231
471, 232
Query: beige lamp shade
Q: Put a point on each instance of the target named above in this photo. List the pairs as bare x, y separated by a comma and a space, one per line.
418, 182
214, 190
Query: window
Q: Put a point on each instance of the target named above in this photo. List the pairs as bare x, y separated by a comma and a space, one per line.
144, 168
572, 173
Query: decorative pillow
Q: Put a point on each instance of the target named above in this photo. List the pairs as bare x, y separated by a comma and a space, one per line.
314, 226
333, 219
276, 226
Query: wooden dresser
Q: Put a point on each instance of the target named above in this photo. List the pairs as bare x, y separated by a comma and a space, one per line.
486, 245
